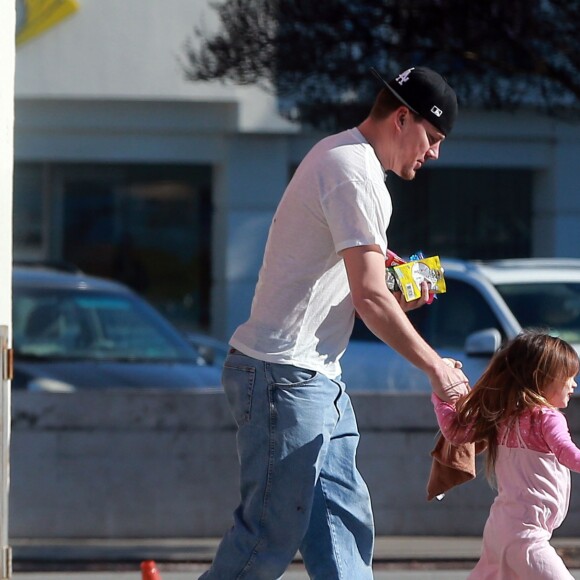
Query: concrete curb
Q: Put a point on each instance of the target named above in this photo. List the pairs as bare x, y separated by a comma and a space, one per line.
388, 549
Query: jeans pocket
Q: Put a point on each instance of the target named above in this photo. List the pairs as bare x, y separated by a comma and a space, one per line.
238, 383
288, 376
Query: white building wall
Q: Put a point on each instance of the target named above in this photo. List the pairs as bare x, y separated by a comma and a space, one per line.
106, 84
132, 50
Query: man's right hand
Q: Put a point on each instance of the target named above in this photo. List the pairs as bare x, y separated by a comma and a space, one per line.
448, 381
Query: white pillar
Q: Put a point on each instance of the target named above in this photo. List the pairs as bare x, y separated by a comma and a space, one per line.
7, 57
249, 183
566, 227
7, 60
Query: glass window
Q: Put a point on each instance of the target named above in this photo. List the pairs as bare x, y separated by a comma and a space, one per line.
551, 305
146, 225
29, 219
448, 321
465, 213
92, 326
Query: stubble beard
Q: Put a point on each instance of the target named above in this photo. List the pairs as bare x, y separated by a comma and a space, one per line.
408, 174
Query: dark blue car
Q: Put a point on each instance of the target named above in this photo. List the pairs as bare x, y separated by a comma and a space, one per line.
72, 331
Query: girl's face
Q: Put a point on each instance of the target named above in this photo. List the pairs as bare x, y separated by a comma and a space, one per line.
559, 391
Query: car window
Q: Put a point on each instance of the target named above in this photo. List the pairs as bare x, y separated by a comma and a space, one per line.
87, 325
552, 305
448, 321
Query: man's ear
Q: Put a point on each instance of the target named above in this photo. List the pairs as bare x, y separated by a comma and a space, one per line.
401, 117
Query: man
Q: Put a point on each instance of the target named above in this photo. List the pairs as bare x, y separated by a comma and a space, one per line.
324, 260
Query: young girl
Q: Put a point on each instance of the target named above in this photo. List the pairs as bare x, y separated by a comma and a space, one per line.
513, 408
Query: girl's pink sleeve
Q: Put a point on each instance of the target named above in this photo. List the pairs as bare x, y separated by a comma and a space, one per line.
447, 419
557, 436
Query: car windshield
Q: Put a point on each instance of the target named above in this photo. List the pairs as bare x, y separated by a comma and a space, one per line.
553, 305
85, 325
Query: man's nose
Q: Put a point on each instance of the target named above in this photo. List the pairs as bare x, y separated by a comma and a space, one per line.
433, 152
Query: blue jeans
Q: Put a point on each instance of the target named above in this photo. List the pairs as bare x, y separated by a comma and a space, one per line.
300, 488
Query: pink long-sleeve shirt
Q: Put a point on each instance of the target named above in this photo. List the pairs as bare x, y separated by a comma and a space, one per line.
541, 429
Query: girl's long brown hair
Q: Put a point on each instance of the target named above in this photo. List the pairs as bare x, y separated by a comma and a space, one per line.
515, 380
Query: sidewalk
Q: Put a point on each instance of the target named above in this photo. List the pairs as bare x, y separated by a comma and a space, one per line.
194, 573
396, 557
295, 574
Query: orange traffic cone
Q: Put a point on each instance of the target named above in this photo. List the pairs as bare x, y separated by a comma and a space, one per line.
149, 570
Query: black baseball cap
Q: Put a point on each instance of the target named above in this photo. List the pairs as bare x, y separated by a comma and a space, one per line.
426, 93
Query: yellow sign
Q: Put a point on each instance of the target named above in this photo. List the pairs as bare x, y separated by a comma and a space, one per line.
33, 17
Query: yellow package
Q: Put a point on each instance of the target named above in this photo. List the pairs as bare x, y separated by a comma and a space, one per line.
411, 274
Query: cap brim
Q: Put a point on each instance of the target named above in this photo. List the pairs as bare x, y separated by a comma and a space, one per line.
378, 76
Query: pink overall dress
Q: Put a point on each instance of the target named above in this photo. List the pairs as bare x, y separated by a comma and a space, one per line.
533, 497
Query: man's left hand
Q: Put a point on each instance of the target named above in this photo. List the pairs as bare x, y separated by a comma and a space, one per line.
414, 304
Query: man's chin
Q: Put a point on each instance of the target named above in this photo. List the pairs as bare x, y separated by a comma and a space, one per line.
408, 175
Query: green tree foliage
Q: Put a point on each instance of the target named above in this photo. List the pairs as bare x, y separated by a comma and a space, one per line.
315, 55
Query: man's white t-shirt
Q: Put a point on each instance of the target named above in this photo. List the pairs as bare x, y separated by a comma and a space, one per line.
302, 312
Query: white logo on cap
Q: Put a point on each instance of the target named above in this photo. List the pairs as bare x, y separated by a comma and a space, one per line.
404, 77
436, 111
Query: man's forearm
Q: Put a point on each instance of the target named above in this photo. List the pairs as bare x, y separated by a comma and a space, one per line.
384, 317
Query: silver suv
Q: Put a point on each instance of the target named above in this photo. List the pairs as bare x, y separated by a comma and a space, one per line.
485, 303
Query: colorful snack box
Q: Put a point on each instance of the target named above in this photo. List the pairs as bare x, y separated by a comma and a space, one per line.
407, 277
